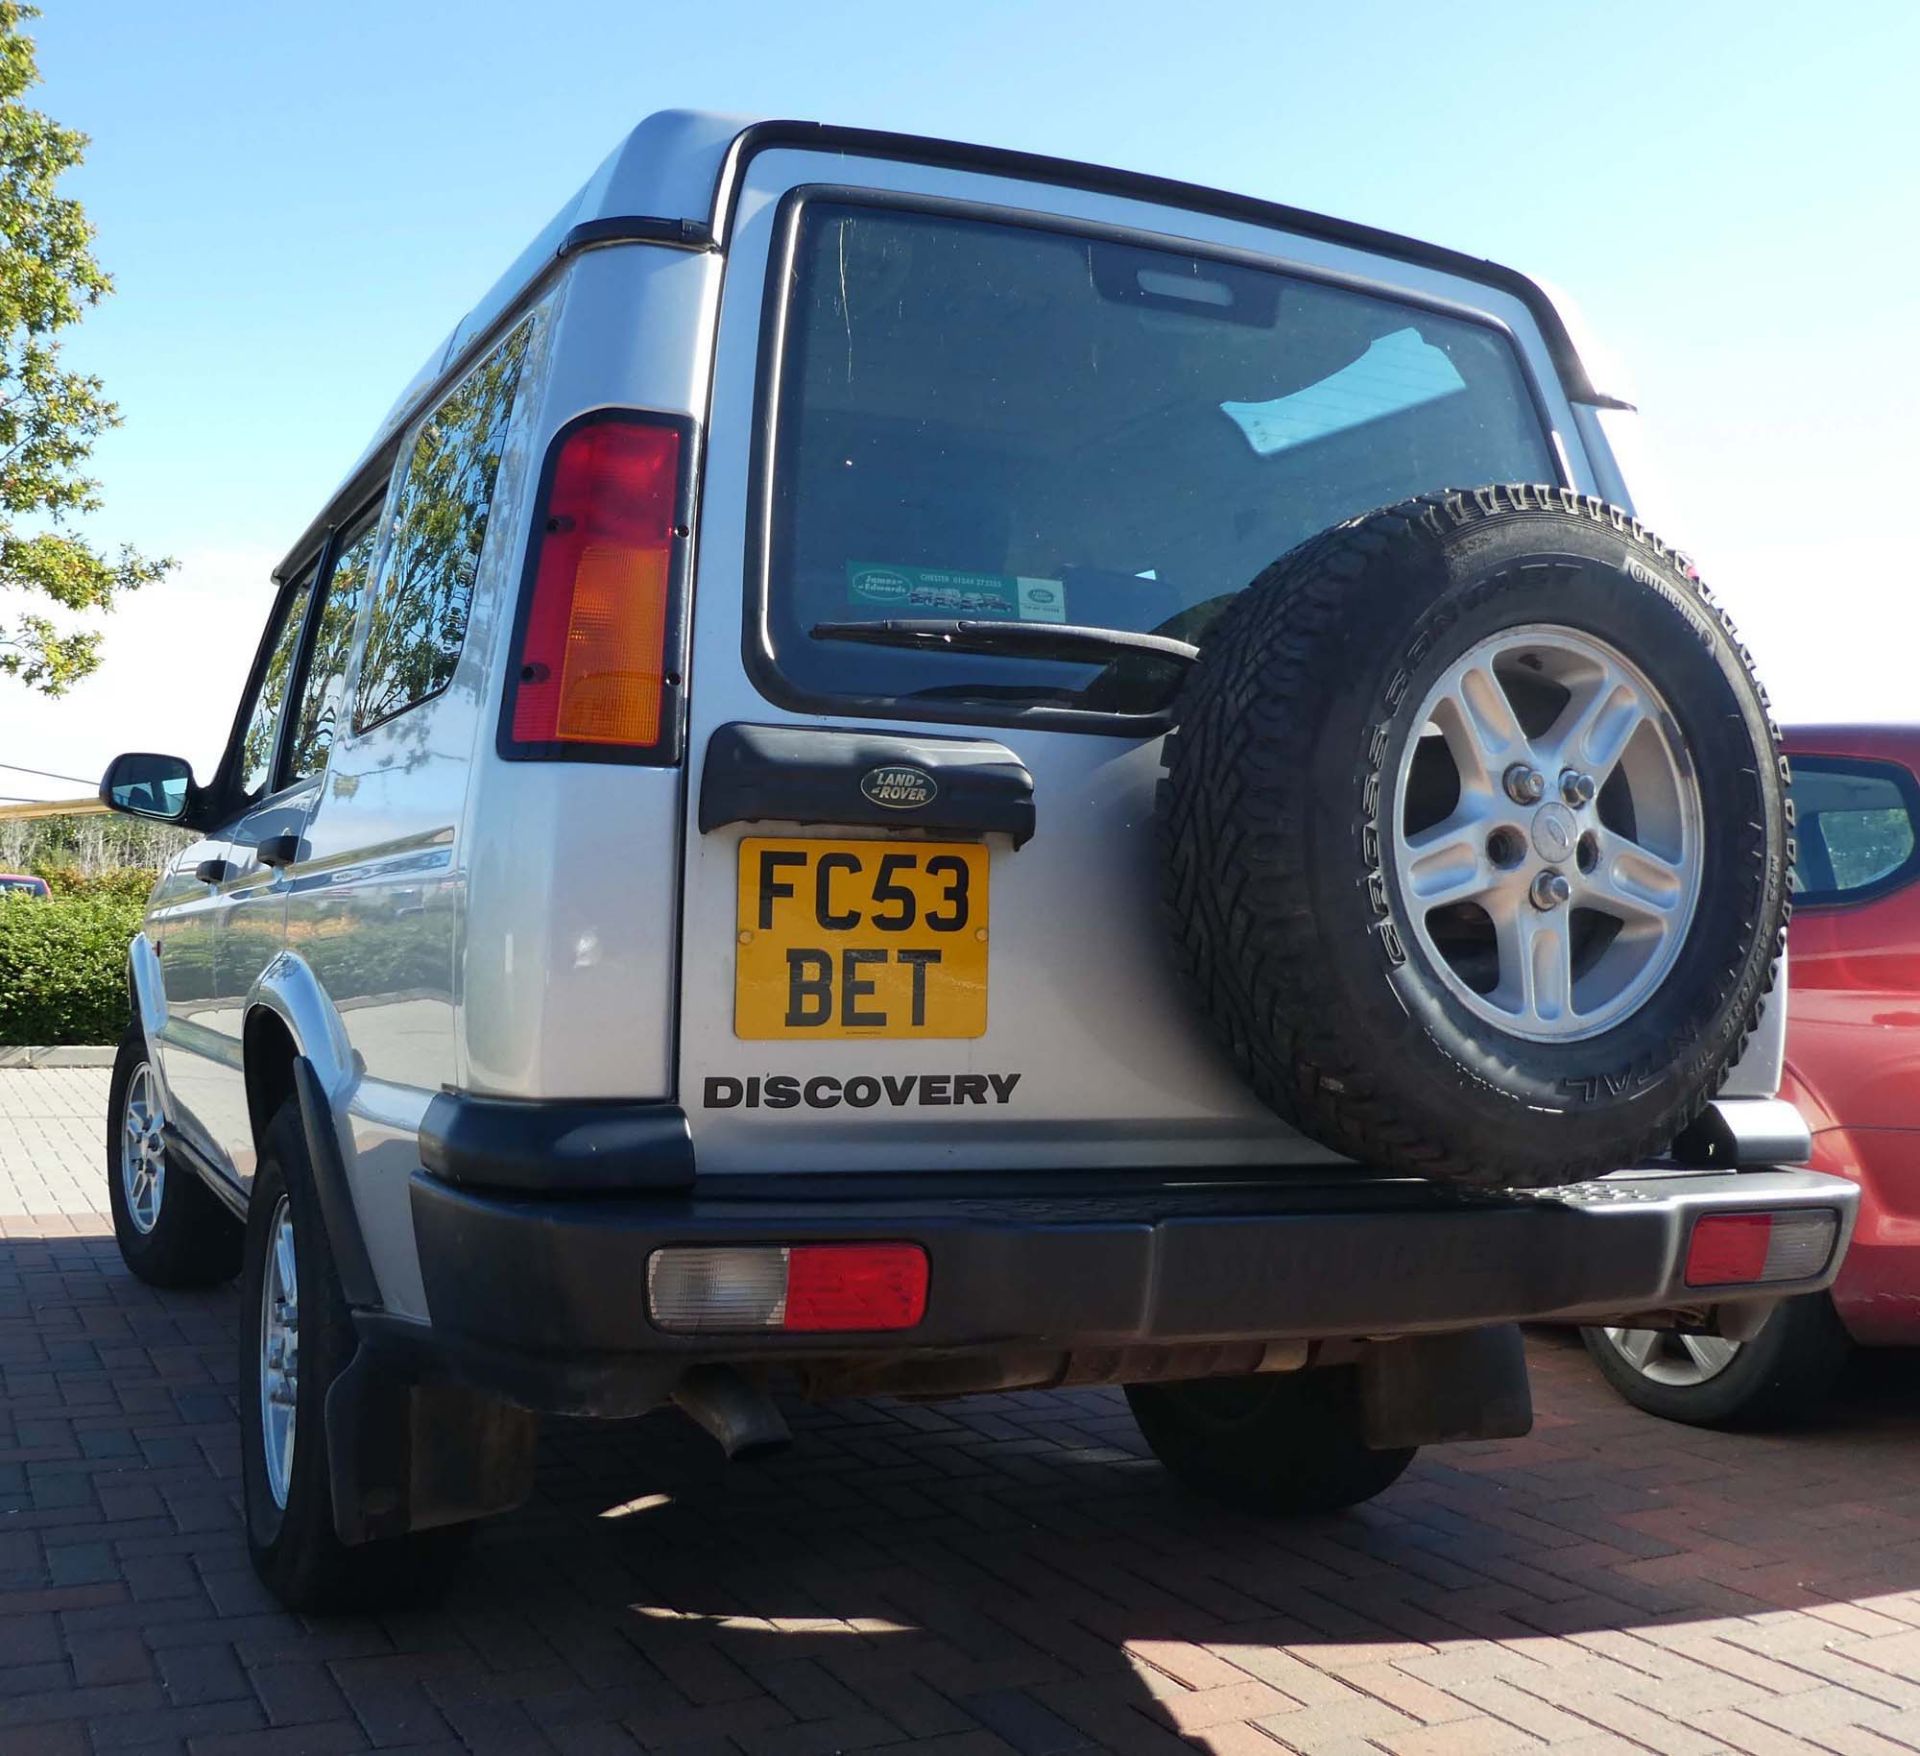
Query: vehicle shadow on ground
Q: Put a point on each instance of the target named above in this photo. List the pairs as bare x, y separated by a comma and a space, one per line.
1009, 1571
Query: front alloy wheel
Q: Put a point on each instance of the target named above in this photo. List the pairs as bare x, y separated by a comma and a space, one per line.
172, 1229
143, 1150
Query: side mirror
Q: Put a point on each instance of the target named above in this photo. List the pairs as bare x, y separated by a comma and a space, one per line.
145, 785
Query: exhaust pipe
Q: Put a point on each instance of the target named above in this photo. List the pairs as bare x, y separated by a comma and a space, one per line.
740, 1416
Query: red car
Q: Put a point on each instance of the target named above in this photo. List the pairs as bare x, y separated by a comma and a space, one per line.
20, 884
1853, 1067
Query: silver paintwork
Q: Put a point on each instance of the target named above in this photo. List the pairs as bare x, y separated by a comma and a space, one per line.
1613, 723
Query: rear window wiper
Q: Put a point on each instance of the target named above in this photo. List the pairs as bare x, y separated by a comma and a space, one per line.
1040, 640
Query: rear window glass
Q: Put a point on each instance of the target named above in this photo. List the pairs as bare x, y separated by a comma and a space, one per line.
1853, 828
989, 421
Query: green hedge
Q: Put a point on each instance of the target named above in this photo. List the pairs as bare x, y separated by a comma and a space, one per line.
63, 968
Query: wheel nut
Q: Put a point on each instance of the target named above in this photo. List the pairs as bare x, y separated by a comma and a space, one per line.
1576, 788
1525, 785
1549, 890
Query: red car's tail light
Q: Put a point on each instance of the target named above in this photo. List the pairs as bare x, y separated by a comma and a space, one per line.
707, 1289
1728, 1249
591, 670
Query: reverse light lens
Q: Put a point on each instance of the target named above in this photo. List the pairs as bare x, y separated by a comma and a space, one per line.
1728, 1249
798, 1288
592, 662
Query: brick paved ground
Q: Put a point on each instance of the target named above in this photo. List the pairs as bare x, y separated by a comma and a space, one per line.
1006, 1574
50, 1145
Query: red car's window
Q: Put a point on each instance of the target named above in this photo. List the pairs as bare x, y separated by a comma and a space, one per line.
1855, 828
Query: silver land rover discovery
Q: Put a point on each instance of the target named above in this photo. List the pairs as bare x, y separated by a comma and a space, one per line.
908, 768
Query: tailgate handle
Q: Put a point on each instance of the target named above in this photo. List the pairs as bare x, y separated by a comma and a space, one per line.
826, 774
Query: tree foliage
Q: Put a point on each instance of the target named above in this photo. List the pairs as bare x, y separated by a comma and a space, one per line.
49, 416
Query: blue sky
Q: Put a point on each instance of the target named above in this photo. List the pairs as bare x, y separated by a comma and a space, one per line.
298, 202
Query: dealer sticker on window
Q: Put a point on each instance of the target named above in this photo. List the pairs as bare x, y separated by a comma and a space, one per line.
942, 591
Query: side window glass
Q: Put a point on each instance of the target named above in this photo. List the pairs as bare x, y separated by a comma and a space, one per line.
323, 696
1855, 828
255, 770
425, 588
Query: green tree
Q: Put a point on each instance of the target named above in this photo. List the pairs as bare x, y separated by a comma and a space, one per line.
49, 417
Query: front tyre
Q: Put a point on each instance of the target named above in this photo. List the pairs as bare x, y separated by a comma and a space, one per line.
1275, 1443
296, 1338
1781, 1375
171, 1228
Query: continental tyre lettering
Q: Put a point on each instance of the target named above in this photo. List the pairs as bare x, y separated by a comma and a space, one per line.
863, 1091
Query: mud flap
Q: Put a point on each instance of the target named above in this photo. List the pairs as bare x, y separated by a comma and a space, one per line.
405, 1456
1428, 1389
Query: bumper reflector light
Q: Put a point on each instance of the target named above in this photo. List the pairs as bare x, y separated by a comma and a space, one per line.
711, 1289
1727, 1249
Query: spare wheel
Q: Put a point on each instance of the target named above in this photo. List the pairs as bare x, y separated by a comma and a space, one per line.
1474, 838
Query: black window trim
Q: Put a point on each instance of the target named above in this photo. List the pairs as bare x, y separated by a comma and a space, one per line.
224, 789
1872, 768
777, 291
406, 442
341, 534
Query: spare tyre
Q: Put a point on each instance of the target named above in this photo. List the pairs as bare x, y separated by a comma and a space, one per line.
1474, 838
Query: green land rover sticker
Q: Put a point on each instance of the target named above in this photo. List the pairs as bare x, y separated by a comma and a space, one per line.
941, 591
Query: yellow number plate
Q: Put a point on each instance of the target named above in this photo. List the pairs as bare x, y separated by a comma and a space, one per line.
861, 939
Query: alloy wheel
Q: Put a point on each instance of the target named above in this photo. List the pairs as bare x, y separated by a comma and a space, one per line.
1547, 833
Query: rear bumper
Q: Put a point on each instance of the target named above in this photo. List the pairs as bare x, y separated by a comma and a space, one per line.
544, 1299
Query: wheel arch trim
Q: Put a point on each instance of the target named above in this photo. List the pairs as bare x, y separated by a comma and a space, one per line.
146, 987
319, 1071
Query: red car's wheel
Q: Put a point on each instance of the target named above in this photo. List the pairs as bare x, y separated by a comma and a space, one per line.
1782, 1374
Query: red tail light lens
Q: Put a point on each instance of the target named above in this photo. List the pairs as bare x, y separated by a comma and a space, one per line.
856, 1286
592, 669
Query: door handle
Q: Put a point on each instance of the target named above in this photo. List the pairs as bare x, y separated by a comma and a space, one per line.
212, 871
278, 850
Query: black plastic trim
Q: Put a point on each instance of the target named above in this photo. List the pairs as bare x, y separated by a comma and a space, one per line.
669, 750
637, 228
1029, 167
553, 1289
357, 1280
548, 1148
813, 774
1877, 768
1745, 1131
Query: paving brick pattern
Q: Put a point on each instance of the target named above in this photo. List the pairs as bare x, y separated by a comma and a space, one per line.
1006, 1574
51, 1122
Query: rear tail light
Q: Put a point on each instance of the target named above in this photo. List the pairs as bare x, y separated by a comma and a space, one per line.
1731, 1248
592, 671
792, 1288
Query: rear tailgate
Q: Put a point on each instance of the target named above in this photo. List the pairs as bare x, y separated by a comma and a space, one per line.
921, 411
